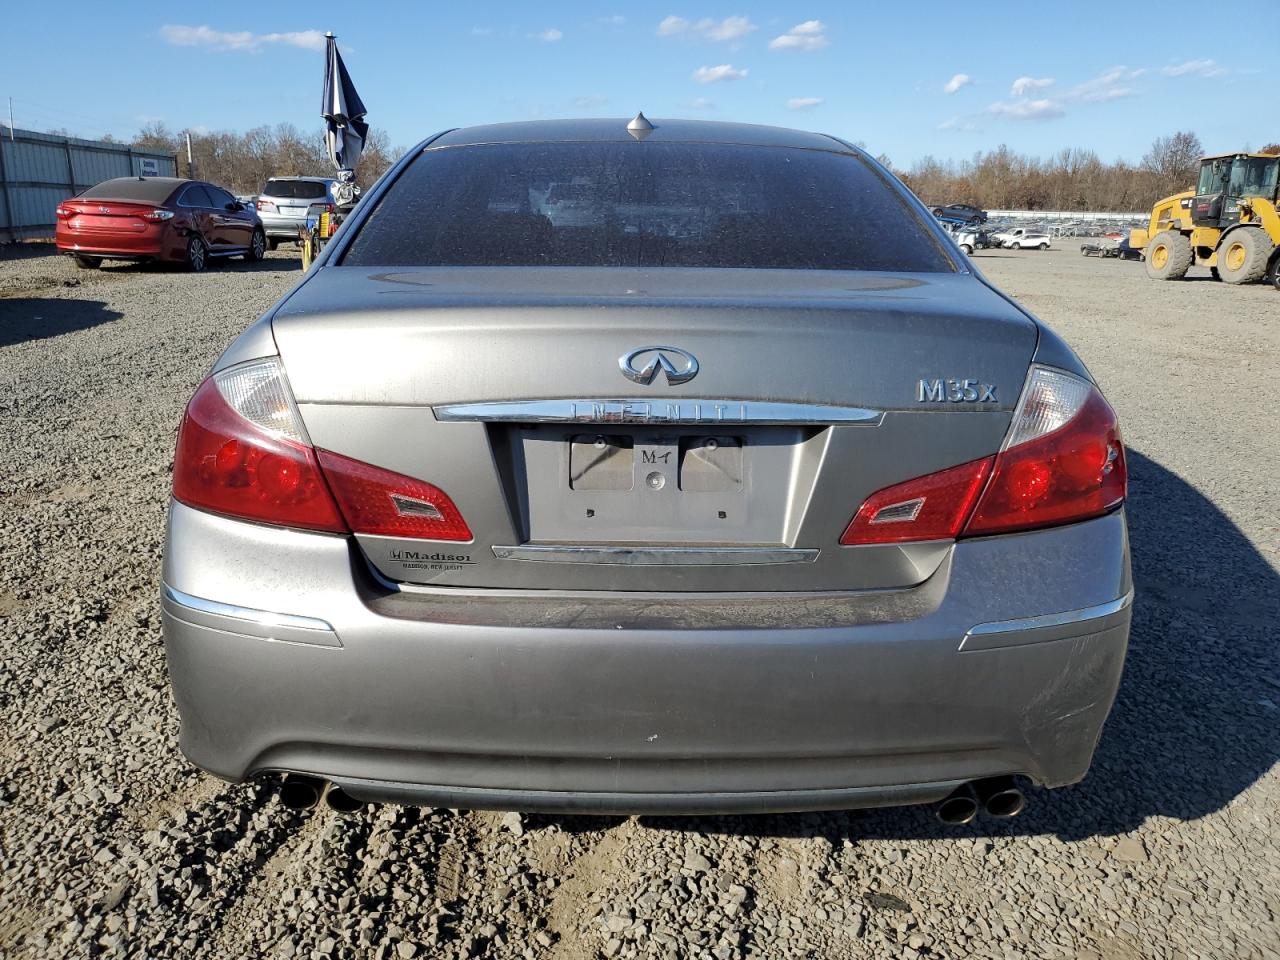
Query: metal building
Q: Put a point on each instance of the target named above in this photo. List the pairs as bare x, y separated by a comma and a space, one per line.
39, 170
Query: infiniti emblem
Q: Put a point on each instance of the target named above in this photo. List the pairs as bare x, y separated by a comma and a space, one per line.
642, 365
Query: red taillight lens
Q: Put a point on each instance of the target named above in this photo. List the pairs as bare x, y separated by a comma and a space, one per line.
241, 453
264, 204
1076, 472
379, 501
157, 215
932, 507
64, 213
1063, 462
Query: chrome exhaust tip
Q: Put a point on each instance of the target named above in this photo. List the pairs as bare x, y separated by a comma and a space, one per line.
959, 807
336, 798
1000, 797
300, 792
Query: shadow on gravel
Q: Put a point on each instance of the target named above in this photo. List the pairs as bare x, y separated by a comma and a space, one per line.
35, 318
1197, 719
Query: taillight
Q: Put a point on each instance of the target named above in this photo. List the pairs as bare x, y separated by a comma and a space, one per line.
64, 213
932, 507
1062, 461
242, 452
158, 215
264, 204
379, 501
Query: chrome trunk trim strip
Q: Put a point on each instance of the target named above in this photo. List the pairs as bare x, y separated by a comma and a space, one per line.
691, 411
657, 556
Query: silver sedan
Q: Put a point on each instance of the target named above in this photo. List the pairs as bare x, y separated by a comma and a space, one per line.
740, 489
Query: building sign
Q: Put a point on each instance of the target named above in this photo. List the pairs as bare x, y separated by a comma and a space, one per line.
148, 167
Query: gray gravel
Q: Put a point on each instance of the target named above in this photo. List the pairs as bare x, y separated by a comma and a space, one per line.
112, 845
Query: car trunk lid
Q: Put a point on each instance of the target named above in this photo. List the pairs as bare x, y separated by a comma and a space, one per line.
503, 388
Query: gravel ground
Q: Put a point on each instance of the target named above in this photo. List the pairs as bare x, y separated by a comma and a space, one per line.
112, 845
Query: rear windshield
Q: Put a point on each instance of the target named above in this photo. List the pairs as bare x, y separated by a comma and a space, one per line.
133, 188
643, 204
295, 189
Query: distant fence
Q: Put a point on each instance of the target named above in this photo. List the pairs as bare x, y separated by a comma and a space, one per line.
39, 170
1067, 215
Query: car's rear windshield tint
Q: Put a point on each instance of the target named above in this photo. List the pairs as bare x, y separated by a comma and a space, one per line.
643, 204
295, 189
132, 188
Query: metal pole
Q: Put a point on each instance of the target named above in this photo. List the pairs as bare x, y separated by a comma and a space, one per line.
11, 119
191, 170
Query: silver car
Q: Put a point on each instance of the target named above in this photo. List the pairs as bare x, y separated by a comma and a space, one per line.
778, 505
286, 202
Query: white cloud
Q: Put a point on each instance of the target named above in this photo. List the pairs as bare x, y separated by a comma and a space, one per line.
725, 71
185, 36
1109, 85
804, 103
1027, 109
730, 28
1194, 68
550, 35
481, 31
701, 103
616, 20
956, 82
1024, 85
591, 100
958, 124
810, 35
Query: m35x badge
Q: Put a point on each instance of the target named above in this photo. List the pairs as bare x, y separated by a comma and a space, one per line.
955, 391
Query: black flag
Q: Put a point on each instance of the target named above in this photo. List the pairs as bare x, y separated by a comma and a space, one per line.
343, 111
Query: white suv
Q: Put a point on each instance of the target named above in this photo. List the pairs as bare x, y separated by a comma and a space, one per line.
286, 202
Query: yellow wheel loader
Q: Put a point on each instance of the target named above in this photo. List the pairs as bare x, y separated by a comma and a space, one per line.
1228, 223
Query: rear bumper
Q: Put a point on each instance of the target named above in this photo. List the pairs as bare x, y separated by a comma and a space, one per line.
1008, 663
281, 227
109, 251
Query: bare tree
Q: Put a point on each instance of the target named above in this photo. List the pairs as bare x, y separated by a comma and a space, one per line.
1174, 161
243, 162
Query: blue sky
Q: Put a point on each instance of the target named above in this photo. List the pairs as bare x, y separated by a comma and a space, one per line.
908, 79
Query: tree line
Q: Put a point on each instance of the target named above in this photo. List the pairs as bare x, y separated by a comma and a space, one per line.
1071, 179
243, 162
999, 179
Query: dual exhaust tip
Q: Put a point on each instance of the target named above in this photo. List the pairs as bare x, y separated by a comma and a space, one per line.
998, 797
300, 792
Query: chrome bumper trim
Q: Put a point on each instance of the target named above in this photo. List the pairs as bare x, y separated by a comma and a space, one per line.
1008, 633
674, 410
658, 556
264, 624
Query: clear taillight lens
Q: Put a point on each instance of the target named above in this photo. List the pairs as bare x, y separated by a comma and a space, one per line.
242, 453
158, 216
1062, 461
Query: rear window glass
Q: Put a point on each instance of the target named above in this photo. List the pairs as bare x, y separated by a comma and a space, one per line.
295, 189
643, 204
133, 188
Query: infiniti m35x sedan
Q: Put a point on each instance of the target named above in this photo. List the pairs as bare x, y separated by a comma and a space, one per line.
734, 488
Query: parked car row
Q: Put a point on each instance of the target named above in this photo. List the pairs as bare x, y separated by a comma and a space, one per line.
968, 239
191, 222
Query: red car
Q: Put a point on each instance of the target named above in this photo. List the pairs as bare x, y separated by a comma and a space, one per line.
158, 218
